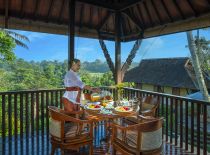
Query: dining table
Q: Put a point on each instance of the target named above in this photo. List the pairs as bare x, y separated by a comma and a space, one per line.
98, 115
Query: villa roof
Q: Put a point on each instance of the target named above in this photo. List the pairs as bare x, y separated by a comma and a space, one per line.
164, 72
139, 18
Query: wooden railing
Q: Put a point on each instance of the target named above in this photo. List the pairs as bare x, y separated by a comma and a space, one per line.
24, 120
186, 120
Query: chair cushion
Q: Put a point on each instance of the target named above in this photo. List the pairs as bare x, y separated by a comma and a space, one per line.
119, 134
151, 140
70, 129
73, 128
147, 106
131, 139
72, 134
55, 128
130, 133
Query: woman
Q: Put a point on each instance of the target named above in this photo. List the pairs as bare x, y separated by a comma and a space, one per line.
74, 87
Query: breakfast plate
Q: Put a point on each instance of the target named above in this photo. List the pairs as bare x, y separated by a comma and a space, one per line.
123, 109
94, 107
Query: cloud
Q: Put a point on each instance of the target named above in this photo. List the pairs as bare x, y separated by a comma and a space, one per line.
154, 43
150, 45
36, 36
84, 49
88, 53
32, 36
58, 55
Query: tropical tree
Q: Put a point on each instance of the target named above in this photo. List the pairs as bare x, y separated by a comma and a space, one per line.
8, 41
203, 50
196, 65
7, 46
18, 38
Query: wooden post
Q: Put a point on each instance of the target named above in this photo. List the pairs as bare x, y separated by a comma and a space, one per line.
117, 48
71, 32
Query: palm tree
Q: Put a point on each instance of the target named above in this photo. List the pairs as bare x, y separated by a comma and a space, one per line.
18, 38
196, 65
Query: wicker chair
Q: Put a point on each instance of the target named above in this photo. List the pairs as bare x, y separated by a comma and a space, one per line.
141, 137
69, 132
149, 105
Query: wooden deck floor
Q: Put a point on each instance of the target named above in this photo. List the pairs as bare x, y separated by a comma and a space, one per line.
102, 150
40, 145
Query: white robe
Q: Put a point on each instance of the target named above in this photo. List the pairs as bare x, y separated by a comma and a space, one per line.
72, 79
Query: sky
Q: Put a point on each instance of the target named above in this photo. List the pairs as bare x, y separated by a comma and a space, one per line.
43, 46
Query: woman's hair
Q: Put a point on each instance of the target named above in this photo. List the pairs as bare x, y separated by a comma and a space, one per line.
74, 61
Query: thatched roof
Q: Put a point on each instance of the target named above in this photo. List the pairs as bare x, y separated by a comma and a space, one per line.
164, 72
139, 18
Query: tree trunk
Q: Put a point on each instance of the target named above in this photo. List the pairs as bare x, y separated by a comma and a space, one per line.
196, 66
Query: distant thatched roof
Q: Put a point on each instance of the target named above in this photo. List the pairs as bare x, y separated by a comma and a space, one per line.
164, 72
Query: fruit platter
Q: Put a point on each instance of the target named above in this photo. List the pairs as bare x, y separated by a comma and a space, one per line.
94, 107
123, 109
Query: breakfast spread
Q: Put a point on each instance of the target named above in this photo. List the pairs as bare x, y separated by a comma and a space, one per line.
103, 103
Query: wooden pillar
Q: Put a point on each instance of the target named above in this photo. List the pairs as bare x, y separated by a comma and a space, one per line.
117, 48
71, 32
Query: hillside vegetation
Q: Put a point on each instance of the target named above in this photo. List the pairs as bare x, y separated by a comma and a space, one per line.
21, 74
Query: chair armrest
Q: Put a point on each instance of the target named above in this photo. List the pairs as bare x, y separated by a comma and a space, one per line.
147, 111
114, 125
64, 116
129, 127
145, 117
135, 126
72, 112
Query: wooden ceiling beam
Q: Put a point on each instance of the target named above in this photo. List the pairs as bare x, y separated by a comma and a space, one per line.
141, 22
157, 12
36, 8
22, 8
139, 10
147, 11
129, 25
101, 24
6, 18
91, 15
27, 23
61, 11
123, 25
81, 15
129, 4
167, 11
179, 9
100, 4
49, 9
192, 7
133, 19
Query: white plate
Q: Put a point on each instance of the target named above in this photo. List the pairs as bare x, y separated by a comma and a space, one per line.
94, 108
118, 110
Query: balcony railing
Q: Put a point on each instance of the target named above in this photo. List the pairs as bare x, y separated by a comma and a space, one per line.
186, 120
24, 120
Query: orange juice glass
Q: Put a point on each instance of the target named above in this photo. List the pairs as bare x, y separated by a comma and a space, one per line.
95, 98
